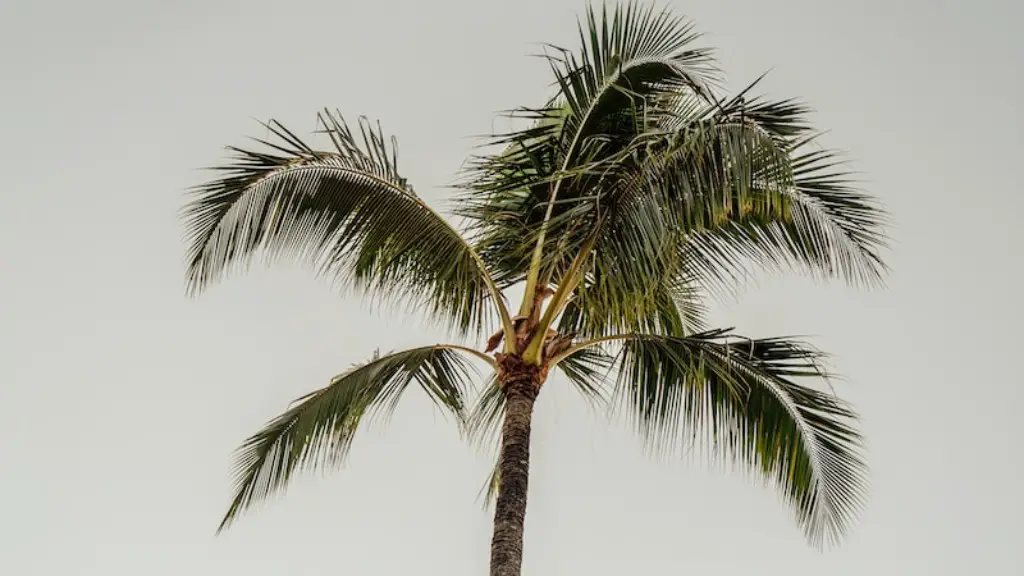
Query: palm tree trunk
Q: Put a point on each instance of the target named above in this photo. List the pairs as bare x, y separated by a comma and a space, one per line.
521, 384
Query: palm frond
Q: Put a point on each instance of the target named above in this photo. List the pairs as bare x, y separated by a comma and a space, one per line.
484, 425
346, 210
627, 61
728, 187
631, 65
484, 420
318, 429
742, 397
610, 302
658, 196
588, 369
828, 227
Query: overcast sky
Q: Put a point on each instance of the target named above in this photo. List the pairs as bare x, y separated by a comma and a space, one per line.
121, 401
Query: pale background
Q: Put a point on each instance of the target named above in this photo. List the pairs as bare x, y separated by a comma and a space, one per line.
121, 401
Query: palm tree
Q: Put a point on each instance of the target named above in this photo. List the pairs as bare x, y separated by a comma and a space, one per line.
618, 207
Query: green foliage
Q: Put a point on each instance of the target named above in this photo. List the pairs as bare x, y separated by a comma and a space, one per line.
318, 429
638, 190
672, 184
607, 95
484, 425
741, 397
348, 211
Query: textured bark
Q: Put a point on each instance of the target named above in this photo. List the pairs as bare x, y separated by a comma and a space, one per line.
521, 384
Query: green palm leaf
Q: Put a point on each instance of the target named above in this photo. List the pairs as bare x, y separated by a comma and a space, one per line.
608, 303
741, 396
663, 180
827, 227
587, 370
626, 63
728, 187
484, 423
629, 63
319, 428
348, 211
655, 200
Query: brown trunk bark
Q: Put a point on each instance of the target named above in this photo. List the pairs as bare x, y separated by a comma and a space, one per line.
521, 384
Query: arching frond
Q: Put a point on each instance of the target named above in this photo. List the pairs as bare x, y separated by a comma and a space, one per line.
484, 420
726, 188
318, 429
347, 210
631, 64
484, 425
587, 370
828, 227
667, 190
608, 303
742, 397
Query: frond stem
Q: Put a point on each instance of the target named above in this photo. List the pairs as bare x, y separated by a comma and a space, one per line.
566, 287
490, 361
587, 344
538, 250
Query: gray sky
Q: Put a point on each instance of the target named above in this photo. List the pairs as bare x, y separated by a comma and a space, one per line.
121, 401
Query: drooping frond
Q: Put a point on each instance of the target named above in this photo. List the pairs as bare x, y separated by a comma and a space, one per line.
724, 188
669, 188
665, 185
826, 226
742, 397
484, 420
588, 369
484, 424
318, 429
349, 211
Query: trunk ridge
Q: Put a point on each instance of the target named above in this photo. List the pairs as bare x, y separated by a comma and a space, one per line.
521, 383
